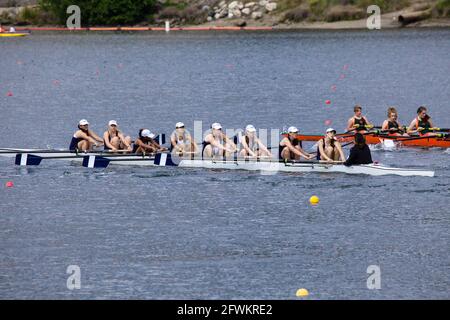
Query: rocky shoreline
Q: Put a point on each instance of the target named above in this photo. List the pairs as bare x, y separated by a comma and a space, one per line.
259, 14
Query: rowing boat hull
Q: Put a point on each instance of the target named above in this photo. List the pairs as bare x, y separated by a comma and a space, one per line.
432, 142
9, 35
272, 167
265, 166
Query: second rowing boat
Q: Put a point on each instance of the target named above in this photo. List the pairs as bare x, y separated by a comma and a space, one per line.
423, 141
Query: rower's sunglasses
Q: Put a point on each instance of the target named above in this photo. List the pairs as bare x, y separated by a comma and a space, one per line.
180, 127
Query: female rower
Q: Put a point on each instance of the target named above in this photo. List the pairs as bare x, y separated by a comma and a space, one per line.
422, 123
252, 145
291, 147
181, 140
329, 149
114, 139
360, 152
217, 144
391, 124
358, 122
145, 143
84, 139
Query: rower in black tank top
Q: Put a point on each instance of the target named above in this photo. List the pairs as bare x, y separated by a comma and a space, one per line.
362, 124
423, 124
109, 140
294, 143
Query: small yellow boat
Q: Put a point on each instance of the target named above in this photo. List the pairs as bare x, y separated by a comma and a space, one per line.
14, 34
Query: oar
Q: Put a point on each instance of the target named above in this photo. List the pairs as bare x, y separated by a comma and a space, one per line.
27, 159
11, 151
439, 129
159, 159
403, 138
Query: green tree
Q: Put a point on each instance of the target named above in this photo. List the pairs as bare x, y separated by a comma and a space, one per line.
102, 12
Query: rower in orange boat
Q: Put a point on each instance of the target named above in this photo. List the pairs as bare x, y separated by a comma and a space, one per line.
358, 123
391, 124
421, 124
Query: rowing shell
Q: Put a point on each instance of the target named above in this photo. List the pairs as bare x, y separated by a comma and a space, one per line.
94, 160
431, 142
13, 34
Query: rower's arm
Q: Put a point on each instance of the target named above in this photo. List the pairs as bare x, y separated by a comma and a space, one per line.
231, 143
122, 138
322, 152
262, 146
95, 136
193, 144
173, 142
368, 122
385, 125
84, 136
341, 152
209, 139
245, 145
106, 141
300, 152
412, 127
350, 124
144, 146
157, 146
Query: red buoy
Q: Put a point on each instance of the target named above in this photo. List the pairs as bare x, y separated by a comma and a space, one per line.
9, 184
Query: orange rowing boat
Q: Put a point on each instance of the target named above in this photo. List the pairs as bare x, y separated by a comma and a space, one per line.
421, 141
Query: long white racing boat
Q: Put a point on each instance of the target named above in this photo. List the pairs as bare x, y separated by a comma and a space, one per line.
26, 157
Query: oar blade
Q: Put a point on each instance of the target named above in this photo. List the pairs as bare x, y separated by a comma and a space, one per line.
164, 159
95, 162
161, 138
25, 159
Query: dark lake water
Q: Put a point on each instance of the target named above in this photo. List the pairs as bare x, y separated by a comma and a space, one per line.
164, 233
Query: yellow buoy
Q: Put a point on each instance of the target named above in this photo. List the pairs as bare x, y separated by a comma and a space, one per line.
302, 292
314, 200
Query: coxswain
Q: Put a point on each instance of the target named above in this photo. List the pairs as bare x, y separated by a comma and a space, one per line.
360, 152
